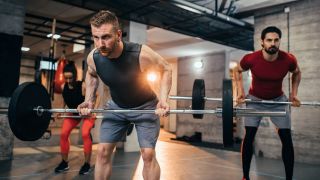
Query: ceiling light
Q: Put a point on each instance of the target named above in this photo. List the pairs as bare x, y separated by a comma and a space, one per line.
189, 8
25, 49
55, 36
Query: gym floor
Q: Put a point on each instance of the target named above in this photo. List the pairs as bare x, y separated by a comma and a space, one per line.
177, 160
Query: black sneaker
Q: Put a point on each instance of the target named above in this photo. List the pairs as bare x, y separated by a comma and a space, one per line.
85, 169
62, 167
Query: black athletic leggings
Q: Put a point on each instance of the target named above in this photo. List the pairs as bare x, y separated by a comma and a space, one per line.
287, 151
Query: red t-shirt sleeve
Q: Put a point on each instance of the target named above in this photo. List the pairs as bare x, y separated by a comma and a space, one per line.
293, 63
245, 63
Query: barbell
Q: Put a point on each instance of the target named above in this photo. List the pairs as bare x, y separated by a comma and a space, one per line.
30, 111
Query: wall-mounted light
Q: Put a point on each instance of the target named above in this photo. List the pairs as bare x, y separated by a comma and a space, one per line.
152, 76
286, 9
198, 64
55, 36
25, 49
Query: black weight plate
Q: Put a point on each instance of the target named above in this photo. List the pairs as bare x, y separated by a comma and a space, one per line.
24, 122
198, 95
227, 113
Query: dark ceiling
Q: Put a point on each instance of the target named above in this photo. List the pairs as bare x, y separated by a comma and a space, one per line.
205, 19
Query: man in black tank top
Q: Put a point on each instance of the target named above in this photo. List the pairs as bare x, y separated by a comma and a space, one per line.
122, 66
73, 96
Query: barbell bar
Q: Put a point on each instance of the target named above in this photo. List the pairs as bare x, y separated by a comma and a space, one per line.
190, 98
217, 111
306, 103
239, 112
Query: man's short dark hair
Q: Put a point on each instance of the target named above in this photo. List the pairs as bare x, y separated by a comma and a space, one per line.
105, 17
270, 29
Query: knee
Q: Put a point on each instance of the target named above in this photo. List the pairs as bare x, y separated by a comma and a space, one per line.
285, 137
147, 156
103, 155
64, 135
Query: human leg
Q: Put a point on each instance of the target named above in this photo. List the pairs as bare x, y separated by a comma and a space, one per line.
251, 127
284, 131
112, 130
287, 151
148, 127
151, 168
103, 165
87, 125
67, 126
247, 150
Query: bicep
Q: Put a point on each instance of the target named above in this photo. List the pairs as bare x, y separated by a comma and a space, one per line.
239, 68
91, 66
294, 67
91, 72
296, 70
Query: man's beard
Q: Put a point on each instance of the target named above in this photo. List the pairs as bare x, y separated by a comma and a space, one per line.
107, 51
272, 50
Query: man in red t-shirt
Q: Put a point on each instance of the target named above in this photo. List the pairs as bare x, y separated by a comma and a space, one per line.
268, 67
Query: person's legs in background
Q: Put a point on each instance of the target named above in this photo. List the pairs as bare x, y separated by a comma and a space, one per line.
247, 150
67, 126
287, 151
87, 125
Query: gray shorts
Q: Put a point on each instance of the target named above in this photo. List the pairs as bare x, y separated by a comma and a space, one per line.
114, 125
279, 122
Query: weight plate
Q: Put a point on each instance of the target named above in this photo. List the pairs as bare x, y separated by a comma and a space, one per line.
24, 122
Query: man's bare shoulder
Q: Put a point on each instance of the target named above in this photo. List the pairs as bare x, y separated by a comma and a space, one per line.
90, 60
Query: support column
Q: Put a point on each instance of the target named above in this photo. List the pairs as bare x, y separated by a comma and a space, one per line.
12, 15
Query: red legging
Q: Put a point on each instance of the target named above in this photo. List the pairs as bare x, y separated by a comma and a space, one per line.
68, 125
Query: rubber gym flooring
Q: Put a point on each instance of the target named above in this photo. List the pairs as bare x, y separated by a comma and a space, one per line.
178, 161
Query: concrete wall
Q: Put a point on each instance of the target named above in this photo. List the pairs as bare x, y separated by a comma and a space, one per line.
212, 72
304, 43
